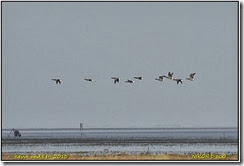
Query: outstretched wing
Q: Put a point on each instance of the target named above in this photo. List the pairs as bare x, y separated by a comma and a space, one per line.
170, 74
192, 75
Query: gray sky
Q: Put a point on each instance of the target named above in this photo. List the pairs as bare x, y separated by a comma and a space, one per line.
41, 41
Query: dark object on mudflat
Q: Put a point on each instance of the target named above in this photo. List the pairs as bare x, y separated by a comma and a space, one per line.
16, 133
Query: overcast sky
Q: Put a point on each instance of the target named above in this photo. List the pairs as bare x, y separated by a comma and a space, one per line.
73, 41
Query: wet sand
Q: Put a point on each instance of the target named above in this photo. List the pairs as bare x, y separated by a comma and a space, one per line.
115, 141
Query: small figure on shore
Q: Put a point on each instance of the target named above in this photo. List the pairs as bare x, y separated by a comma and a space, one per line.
16, 133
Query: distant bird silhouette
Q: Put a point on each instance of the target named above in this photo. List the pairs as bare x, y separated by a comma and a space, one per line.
129, 81
191, 77
139, 78
170, 76
88, 79
178, 81
116, 79
58, 81
160, 78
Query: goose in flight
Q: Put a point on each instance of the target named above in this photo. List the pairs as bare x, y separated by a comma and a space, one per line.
178, 81
160, 78
139, 78
191, 77
116, 79
58, 81
170, 76
88, 79
129, 81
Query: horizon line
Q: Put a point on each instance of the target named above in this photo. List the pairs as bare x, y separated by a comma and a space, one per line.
120, 128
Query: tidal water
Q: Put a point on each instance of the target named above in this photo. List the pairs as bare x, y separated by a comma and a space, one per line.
111, 140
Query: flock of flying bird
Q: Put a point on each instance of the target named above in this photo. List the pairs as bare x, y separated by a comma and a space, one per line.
160, 78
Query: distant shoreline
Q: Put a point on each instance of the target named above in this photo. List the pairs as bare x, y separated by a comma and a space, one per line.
104, 141
134, 128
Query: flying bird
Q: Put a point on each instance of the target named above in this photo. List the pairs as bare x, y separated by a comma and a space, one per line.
170, 76
116, 79
178, 81
88, 79
129, 81
139, 78
58, 81
191, 77
160, 78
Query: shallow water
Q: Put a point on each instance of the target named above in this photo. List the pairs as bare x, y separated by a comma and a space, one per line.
203, 133
50, 141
